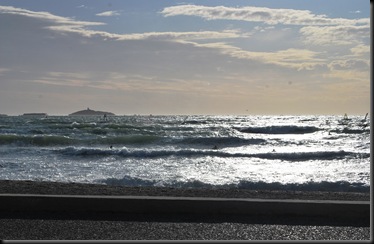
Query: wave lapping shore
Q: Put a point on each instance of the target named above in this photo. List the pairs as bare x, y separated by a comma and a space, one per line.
58, 188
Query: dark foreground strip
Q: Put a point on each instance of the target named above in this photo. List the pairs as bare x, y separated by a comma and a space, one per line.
184, 205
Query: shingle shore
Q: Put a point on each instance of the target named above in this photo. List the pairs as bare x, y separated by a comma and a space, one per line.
58, 188
108, 225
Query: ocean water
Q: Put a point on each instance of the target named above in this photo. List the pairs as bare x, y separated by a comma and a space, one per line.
325, 153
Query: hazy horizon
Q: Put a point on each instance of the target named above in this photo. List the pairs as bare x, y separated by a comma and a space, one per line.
185, 58
151, 114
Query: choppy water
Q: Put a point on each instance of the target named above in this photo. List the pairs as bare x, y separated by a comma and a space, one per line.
256, 152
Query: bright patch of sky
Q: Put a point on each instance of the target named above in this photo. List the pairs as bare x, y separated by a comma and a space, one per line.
185, 57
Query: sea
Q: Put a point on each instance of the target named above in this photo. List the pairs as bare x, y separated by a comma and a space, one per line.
300, 153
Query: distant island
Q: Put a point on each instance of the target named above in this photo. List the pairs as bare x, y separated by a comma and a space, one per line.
90, 112
35, 114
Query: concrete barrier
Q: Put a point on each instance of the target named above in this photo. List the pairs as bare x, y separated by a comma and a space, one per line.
185, 205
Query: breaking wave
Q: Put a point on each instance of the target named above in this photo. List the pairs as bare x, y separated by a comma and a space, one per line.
54, 140
36, 140
288, 129
184, 153
339, 186
227, 141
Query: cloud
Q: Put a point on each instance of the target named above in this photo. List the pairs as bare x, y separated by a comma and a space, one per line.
263, 29
294, 58
153, 54
335, 35
63, 24
160, 36
360, 50
349, 64
193, 35
169, 36
109, 13
48, 53
58, 20
315, 29
48, 49
300, 59
260, 14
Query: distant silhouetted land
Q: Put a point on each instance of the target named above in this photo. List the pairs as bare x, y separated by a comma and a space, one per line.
35, 114
89, 111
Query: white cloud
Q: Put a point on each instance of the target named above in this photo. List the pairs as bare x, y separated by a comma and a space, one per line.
166, 36
67, 50
51, 53
315, 29
260, 14
295, 58
193, 35
47, 17
349, 64
300, 59
335, 35
109, 13
63, 24
360, 50
263, 29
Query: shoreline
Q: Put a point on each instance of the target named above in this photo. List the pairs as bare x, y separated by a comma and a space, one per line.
62, 188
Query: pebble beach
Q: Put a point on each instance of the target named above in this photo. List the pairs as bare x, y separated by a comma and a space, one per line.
132, 226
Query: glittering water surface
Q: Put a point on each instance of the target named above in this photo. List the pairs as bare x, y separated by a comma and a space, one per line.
257, 152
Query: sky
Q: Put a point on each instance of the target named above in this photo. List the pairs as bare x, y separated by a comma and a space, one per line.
264, 57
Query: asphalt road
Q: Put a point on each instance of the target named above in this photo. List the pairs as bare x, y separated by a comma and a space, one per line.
125, 226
